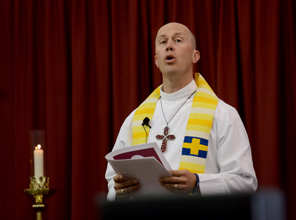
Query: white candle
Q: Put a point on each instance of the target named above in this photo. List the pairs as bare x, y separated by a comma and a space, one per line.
38, 162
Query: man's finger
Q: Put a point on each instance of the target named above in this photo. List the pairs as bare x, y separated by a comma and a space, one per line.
127, 190
178, 173
125, 184
169, 179
118, 178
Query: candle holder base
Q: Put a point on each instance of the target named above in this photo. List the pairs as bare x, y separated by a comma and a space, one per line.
38, 188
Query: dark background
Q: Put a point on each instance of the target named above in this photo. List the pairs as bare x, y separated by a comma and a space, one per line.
76, 69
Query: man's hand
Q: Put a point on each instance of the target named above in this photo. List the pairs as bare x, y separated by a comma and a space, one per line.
181, 181
125, 188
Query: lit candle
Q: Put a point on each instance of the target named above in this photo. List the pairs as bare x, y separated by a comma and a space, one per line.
38, 162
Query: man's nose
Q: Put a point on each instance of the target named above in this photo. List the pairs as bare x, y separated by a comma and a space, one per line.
169, 46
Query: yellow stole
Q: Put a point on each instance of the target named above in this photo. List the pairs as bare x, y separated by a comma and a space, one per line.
195, 144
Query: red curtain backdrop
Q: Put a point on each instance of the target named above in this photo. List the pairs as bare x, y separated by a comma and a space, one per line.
76, 69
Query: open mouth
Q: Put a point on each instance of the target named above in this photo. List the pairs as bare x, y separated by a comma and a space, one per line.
169, 57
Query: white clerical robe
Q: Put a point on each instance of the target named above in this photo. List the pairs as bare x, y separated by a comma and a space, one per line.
229, 166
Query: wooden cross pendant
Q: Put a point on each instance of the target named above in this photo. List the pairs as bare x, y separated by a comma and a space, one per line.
165, 137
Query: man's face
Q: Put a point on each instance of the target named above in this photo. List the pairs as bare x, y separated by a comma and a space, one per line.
174, 49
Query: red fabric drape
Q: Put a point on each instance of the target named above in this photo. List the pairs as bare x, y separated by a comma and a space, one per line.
76, 69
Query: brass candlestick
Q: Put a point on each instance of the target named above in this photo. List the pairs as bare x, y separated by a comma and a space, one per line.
38, 188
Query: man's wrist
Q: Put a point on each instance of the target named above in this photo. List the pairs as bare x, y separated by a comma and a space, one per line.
197, 184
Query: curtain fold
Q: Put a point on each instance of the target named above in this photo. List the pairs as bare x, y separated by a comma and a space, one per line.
77, 68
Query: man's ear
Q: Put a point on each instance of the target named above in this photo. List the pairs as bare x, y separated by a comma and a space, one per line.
196, 56
155, 60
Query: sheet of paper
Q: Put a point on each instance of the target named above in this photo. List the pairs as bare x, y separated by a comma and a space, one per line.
145, 163
146, 170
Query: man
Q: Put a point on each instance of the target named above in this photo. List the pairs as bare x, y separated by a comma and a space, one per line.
202, 137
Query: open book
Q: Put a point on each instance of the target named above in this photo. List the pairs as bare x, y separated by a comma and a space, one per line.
144, 162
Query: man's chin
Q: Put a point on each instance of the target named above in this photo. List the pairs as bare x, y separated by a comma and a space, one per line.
168, 70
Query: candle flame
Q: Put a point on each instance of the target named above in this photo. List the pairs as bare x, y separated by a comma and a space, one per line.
38, 147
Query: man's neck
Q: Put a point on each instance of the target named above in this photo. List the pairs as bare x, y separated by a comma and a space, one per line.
174, 84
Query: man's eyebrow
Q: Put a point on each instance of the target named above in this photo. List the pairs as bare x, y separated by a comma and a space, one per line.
163, 35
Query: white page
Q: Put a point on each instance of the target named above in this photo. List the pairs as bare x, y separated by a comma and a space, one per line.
147, 170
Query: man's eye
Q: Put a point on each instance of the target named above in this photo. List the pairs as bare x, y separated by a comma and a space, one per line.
178, 40
162, 42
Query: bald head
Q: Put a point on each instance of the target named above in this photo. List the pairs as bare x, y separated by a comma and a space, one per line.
175, 55
176, 26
